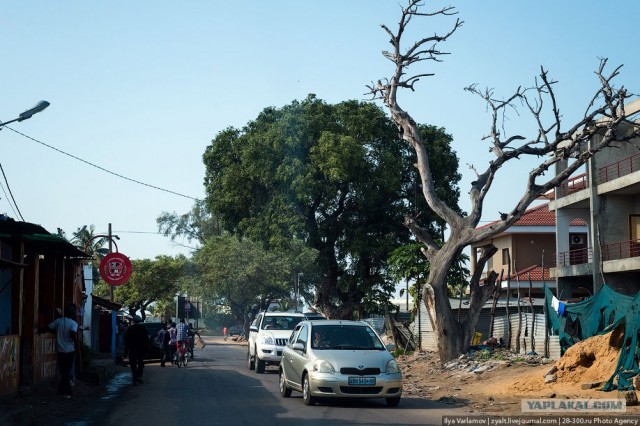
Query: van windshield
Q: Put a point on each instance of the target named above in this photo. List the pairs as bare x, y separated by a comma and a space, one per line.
280, 322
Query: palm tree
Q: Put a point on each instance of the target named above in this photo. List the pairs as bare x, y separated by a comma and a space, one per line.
85, 239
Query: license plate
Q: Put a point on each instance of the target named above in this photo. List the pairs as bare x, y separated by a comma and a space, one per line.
362, 381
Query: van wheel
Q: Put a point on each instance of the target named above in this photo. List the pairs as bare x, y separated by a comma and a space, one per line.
259, 365
250, 361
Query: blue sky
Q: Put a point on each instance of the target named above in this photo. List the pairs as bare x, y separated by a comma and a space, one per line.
141, 88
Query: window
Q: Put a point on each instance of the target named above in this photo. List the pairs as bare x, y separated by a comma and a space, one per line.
634, 225
303, 336
505, 256
634, 231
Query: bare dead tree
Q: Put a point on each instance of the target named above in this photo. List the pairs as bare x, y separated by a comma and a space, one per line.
552, 143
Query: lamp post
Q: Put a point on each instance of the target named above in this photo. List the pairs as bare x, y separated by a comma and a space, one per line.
40, 106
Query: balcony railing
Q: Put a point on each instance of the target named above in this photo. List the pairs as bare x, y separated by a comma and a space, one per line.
621, 250
620, 168
575, 257
575, 184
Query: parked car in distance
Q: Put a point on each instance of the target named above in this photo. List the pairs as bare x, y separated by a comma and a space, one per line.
314, 316
338, 359
268, 334
236, 330
154, 352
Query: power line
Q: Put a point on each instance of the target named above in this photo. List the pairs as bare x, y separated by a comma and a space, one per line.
8, 201
10, 193
101, 168
156, 233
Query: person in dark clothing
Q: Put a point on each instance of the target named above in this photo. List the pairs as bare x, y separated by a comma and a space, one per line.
164, 338
136, 342
192, 332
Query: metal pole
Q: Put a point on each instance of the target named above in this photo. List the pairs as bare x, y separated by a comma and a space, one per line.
407, 294
298, 291
297, 280
110, 287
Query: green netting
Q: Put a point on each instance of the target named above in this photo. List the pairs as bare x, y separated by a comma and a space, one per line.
600, 314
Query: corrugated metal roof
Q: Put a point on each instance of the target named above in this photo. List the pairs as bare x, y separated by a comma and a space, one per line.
39, 237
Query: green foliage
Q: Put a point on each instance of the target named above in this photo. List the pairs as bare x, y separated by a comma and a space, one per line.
151, 281
408, 263
242, 275
489, 355
86, 239
199, 224
335, 177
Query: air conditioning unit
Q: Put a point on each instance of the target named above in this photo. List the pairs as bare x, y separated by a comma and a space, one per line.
577, 239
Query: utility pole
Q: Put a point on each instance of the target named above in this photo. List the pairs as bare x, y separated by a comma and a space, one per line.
110, 250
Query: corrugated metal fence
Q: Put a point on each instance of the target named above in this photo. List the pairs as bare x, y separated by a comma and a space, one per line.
532, 329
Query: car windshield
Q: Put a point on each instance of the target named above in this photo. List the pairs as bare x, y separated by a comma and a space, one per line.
345, 337
280, 322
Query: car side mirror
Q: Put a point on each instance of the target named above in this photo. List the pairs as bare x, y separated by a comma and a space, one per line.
298, 347
391, 347
253, 328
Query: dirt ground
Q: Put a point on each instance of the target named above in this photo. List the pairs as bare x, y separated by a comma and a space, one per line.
498, 382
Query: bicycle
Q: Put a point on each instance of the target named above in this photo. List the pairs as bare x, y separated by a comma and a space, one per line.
181, 358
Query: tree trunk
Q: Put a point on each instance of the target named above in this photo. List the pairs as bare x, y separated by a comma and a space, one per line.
453, 336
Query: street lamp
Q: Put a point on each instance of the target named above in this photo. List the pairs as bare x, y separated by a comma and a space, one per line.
40, 106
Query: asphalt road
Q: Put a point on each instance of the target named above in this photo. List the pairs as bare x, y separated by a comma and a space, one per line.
217, 388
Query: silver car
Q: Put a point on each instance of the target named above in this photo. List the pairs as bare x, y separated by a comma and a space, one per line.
339, 359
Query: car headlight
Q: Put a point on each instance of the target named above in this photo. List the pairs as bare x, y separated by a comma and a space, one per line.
267, 340
392, 367
322, 366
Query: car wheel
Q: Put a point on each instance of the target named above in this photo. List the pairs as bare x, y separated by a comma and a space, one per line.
250, 361
393, 402
285, 390
259, 365
306, 391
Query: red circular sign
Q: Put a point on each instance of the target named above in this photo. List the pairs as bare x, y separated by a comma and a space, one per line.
115, 269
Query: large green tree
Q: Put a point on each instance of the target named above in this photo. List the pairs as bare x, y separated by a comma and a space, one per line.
151, 281
336, 177
242, 275
197, 225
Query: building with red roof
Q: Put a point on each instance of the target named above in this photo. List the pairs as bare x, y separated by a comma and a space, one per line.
527, 249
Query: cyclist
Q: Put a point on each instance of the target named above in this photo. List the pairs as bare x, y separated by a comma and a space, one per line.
182, 334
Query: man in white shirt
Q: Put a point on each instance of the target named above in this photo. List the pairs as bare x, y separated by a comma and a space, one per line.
66, 330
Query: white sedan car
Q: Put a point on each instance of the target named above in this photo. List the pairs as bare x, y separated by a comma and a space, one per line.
339, 359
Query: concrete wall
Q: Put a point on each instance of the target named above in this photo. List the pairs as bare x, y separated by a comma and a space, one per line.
613, 217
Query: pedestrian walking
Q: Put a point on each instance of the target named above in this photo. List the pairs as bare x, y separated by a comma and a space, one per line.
172, 341
136, 343
66, 330
192, 333
225, 331
163, 338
